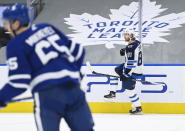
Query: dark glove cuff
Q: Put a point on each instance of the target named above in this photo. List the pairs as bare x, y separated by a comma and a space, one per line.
122, 52
123, 78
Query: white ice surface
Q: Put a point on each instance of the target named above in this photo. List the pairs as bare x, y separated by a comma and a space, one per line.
103, 122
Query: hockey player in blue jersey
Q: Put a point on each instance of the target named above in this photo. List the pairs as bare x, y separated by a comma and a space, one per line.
44, 60
132, 68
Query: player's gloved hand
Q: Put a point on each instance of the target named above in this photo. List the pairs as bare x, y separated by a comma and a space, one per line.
136, 76
2, 104
124, 77
122, 52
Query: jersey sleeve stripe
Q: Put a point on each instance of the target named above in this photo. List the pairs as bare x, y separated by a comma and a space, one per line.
19, 85
54, 75
73, 44
130, 67
132, 61
20, 76
76, 50
80, 51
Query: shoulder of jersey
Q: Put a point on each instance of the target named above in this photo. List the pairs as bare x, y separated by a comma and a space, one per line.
20, 39
136, 43
42, 25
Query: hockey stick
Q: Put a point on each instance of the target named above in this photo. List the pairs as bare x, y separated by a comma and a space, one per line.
97, 73
20, 99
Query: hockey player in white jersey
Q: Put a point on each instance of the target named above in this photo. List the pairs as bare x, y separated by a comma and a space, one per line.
132, 68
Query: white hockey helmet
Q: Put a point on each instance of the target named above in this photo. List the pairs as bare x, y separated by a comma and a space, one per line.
129, 31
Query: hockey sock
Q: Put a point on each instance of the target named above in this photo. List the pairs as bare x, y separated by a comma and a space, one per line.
134, 98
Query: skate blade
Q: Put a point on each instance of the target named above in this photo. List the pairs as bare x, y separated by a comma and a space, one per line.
113, 100
138, 113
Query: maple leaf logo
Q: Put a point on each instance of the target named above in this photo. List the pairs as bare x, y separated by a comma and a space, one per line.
95, 30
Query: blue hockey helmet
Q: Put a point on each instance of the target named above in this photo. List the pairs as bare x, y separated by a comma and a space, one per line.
18, 12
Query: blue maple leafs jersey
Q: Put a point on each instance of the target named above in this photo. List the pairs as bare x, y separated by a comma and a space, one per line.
40, 57
133, 58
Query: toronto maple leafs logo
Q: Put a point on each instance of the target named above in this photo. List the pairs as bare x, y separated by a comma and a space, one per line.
95, 30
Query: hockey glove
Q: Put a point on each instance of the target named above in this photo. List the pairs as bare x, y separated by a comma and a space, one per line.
4, 37
136, 76
124, 77
122, 52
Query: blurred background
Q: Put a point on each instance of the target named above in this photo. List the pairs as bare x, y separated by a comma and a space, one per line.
168, 51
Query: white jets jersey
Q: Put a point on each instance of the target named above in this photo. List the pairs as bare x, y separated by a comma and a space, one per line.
133, 58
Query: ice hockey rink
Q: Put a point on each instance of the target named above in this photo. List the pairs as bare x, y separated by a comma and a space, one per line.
103, 122
98, 25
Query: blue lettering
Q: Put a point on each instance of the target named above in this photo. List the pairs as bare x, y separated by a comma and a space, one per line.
161, 25
136, 23
139, 22
122, 29
144, 35
153, 22
114, 23
90, 36
144, 22
98, 30
145, 30
127, 23
111, 30
109, 80
164, 87
104, 35
101, 24
90, 84
88, 25
118, 35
